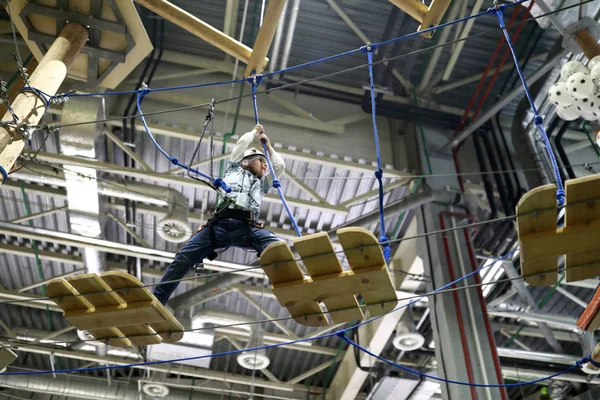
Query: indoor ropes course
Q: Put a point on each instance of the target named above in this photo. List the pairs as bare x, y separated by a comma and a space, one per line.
278, 261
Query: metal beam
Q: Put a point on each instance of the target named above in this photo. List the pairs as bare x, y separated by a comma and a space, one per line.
306, 189
107, 246
28, 300
37, 215
43, 254
268, 315
363, 37
349, 379
128, 229
120, 144
313, 371
168, 179
474, 78
563, 321
238, 346
185, 134
571, 297
534, 332
526, 297
500, 104
41, 283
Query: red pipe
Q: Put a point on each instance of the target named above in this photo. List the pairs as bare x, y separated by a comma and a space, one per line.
461, 328
488, 327
480, 85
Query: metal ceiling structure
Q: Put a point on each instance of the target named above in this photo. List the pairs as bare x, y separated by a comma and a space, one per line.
324, 134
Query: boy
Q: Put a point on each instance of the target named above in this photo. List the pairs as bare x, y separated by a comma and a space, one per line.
234, 221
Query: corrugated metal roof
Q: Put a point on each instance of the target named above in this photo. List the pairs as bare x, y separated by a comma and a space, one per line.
319, 33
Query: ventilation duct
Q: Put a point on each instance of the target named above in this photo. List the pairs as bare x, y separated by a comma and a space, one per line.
395, 388
173, 228
256, 359
86, 388
407, 337
81, 182
253, 360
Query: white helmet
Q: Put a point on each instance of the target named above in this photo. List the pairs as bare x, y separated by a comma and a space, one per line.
253, 152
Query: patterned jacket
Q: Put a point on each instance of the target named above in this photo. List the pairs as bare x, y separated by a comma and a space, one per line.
242, 181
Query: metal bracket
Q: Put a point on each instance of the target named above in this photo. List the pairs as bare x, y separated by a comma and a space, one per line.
569, 42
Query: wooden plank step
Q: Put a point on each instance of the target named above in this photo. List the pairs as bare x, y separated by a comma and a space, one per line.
66, 297
115, 336
318, 256
137, 294
281, 268
537, 272
366, 260
580, 211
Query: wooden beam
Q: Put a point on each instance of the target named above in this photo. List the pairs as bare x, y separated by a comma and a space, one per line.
48, 76
199, 28
258, 60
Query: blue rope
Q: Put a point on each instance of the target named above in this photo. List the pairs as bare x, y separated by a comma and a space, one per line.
218, 182
437, 378
255, 81
387, 253
299, 66
340, 333
537, 118
3, 173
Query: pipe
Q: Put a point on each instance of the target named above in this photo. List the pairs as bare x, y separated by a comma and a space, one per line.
494, 167
561, 150
86, 388
525, 296
290, 34
406, 203
184, 370
488, 327
489, 191
509, 186
277, 42
554, 358
500, 104
458, 310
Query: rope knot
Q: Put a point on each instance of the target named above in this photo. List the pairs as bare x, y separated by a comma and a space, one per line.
369, 48
341, 334
276, 183
174, 161
538, 120
560, 197
255, 80
144, 89
379, 174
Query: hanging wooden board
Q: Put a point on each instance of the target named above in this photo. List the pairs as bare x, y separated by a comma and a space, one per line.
327, 283
541, 242
114, 307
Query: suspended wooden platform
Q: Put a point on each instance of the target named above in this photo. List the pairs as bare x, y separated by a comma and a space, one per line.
541, 242
122, 318
328, 284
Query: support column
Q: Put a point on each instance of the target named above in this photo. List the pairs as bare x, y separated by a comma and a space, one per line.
464, 343
48, 76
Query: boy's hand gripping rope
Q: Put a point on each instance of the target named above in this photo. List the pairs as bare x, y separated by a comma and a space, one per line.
369, 49
255, 81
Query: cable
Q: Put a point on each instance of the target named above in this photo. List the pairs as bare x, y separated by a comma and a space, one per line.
308, 80
417, 236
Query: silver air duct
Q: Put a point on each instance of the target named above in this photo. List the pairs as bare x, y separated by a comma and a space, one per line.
173, 228
256, 359
81, 182
86, 388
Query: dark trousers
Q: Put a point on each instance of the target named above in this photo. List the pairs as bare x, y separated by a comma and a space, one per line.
228, 233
